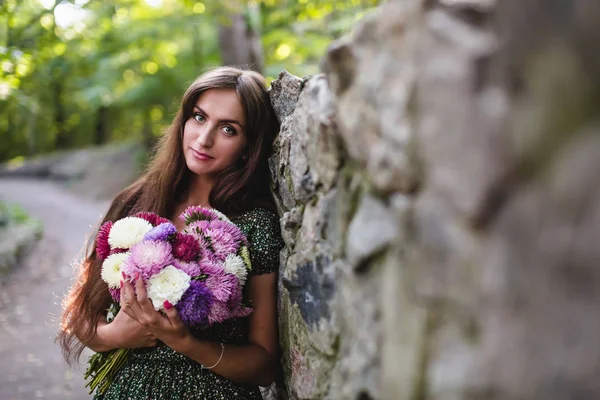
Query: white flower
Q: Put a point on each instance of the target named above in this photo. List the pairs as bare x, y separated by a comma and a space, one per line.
169, 284
111, 269
235, 265
246, 256
128, 231
219, 214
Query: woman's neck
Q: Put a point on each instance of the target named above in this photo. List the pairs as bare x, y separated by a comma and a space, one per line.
198, 192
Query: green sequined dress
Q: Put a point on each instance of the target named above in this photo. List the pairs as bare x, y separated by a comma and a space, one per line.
161, 373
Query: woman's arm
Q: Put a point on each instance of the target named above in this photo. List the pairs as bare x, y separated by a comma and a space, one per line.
122, 333
101, 341
254, 363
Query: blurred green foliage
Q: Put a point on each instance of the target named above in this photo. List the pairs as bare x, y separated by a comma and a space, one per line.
11, 213
79, 73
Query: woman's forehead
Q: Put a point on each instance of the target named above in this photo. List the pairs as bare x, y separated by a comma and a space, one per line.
221, 104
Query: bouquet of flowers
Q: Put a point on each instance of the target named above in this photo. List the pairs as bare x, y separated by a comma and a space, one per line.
201, 271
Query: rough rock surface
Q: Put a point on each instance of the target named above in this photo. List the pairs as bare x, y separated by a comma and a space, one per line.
440, 206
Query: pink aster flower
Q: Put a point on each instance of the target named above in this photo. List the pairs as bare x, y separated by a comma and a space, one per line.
197, 228
208, 267
151, 217
102, 246
147, 258
219, 312
225, 238
236, 307
197, 213
191, 268
221, 285
186, 247
241, 312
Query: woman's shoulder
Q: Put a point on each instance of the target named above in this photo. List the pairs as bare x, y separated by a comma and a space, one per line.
257, 217
263, 231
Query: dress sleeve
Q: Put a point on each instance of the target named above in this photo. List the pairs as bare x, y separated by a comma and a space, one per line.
265, 242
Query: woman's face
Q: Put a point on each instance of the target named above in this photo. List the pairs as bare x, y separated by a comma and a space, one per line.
214, 137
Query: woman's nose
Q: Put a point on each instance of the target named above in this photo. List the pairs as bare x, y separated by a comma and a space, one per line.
205, 136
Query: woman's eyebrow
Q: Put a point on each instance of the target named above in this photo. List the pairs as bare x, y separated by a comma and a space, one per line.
229, 121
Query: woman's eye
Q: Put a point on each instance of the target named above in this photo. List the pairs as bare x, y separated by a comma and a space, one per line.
199, 117
229, 130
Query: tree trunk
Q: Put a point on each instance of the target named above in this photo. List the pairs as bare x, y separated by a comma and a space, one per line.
239, 41
62, 136
100, 131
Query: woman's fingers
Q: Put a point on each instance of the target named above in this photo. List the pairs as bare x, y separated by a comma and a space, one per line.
122, 295
131, 305
142, 296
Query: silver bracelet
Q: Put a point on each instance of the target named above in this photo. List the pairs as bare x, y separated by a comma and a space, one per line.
222, 351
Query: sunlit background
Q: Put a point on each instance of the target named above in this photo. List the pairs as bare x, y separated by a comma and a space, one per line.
80, 73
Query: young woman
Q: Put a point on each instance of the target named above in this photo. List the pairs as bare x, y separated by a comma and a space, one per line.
214, 154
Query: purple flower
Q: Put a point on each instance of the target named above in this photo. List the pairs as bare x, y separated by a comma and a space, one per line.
186, 247
147, 258
197, 213
151, 217
191, 268
102, 246
195, 304
161, 232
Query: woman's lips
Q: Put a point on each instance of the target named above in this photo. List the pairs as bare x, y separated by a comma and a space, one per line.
201, 156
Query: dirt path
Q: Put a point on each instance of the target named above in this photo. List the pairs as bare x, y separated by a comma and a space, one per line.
31, 365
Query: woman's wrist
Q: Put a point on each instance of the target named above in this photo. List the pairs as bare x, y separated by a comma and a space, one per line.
182, 344
104, 338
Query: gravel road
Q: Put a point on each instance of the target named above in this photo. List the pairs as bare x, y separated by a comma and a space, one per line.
31, 364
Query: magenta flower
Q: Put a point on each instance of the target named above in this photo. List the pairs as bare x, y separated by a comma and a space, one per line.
115, 293
151, 217
102, 246
147, 258
186, 248
118, 250
195, 304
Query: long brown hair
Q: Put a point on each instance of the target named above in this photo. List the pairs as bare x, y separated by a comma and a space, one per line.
239, 188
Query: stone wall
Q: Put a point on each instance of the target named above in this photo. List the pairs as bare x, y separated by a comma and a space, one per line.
440, 206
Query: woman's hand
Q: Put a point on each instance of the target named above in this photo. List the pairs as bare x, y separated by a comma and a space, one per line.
126, 333
167, 327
